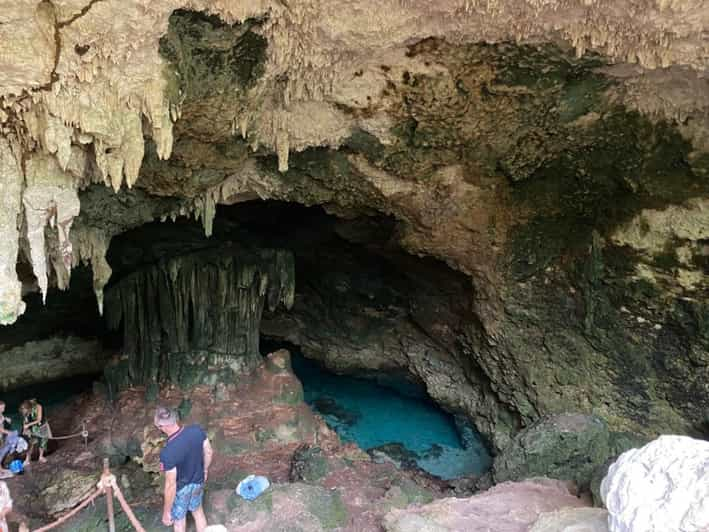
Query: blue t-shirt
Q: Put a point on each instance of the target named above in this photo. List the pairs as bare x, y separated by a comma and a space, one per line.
184, 451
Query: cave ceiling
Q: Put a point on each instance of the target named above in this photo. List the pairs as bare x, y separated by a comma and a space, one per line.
482, 127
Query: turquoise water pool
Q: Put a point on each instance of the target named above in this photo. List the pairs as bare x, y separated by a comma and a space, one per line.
372, 415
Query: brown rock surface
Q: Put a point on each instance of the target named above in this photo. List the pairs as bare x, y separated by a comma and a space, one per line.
508, 507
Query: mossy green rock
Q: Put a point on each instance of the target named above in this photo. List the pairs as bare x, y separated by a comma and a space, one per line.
308, 464
620, 442
94, 518
65, 488
292, 507
564, 447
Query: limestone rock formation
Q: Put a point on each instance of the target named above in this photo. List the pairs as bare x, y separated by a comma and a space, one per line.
566, 447
663, 485
50, 360
194, 314
572, 520
508, 507
554, 153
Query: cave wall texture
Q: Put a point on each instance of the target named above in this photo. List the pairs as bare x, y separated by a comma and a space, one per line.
554, 152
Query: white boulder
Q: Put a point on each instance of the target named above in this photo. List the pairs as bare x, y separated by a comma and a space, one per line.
661, 487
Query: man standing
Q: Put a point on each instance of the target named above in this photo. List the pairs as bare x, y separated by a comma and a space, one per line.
185, 461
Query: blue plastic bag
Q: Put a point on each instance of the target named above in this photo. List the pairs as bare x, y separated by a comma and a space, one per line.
17, 467
251, 487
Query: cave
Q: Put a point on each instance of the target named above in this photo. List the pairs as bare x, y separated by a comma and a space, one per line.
339, 291
497, 208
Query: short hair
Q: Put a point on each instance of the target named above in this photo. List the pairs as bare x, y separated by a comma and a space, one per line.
165, 416
2, 403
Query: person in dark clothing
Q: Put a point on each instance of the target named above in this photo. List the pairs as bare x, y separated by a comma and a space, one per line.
185, 460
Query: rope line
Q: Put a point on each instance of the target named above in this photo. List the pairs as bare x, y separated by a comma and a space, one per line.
72, 513
82, 433
128, 510
107, 481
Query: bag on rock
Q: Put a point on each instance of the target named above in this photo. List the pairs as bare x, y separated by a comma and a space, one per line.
251, 487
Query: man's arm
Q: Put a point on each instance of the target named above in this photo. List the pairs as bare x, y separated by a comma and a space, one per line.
170, 491
207, 453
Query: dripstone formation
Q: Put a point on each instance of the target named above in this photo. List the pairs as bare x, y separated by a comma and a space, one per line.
195, 318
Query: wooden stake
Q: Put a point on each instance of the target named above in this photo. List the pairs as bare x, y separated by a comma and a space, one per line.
109, 498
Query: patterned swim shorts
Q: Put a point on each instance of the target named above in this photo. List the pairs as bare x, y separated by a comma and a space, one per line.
187, 499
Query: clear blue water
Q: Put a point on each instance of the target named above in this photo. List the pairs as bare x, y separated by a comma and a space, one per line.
362, 411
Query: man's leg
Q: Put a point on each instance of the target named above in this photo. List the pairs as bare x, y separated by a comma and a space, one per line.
200, 520
180, 526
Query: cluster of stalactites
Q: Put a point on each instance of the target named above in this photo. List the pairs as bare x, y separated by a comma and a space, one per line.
206, 302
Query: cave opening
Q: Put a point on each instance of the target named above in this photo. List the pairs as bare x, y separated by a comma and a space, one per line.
364, 316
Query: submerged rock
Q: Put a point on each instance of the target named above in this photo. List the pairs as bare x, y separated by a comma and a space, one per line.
331, 410
661, 486
395, 453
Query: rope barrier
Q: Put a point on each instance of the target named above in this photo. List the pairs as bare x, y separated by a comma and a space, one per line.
106, 485
72, 513
128, 510
69, 436
84, 433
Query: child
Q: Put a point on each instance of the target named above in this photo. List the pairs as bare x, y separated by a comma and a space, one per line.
32, 421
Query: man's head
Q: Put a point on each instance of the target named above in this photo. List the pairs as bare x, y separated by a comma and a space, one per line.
2, 407
166, 420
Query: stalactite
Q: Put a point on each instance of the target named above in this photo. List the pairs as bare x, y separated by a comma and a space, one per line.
203, 305
50, 197
11, 304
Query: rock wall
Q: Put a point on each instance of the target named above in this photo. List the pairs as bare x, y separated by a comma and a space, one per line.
50, 360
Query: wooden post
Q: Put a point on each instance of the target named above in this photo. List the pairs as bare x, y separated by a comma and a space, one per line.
109, 498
